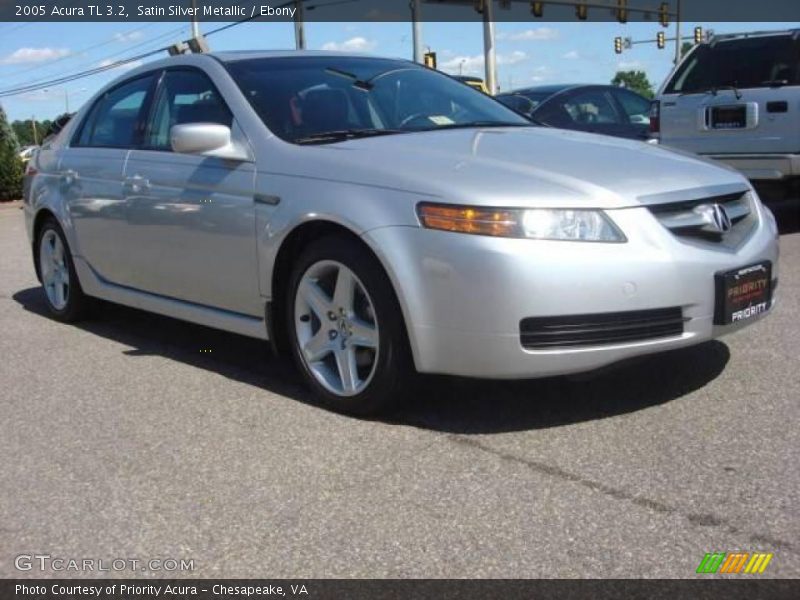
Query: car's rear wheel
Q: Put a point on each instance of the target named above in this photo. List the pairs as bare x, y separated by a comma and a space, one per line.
346, 329
63, 294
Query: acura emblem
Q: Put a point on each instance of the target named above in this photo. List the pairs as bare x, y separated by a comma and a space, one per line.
715, 217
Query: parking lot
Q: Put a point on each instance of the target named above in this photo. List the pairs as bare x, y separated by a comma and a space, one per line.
137, 436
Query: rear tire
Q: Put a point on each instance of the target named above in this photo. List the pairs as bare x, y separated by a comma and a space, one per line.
62, 291
346, 329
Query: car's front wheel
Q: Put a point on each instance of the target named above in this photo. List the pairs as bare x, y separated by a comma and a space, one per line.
346, 328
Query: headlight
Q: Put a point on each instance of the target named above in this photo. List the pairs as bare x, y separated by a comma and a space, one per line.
579, 225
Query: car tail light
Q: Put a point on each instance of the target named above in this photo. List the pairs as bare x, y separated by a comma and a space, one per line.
30, 170
655, 116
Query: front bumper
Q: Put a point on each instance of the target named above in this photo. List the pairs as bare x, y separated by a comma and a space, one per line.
463, 296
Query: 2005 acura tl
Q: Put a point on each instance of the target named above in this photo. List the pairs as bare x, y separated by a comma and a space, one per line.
372, 216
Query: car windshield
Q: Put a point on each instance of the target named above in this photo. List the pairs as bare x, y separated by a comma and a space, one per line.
328, 99
740, 63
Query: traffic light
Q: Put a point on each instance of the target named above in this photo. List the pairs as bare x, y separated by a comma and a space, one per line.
622, 11
537, 8
698, 35
663, 14
661, 40
581, 11
618, 45
429, 59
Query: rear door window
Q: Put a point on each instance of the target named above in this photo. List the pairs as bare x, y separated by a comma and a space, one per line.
635, 107
116, 119
580, 109
742, 63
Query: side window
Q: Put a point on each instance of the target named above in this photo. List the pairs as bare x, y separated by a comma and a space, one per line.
636, 108
184, 96
592, 107
114, 121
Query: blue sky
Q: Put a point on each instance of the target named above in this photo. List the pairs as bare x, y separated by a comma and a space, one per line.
527, 53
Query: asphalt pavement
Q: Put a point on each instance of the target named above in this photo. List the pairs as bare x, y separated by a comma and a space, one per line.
133, 436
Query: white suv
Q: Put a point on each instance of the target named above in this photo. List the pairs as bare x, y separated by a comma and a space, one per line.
737, 99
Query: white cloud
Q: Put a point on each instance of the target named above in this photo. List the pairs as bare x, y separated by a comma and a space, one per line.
473, 65
538, 34
34, 55
355, 44
128, 37
571, 55
630, 65
126, 67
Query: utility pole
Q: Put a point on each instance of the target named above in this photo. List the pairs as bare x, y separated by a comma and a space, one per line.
299, 26
678, 34
195, 24
490, 55
33, 126
416, 30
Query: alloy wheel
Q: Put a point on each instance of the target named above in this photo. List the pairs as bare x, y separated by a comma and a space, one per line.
54, 269
336, 328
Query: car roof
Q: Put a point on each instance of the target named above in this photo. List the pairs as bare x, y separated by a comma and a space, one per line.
236, 55
554, 88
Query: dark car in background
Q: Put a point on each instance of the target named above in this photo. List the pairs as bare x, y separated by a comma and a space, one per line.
604, 109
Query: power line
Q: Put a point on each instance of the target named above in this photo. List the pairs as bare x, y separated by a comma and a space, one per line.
45, 82
37, 85
75, 76
41, 84
78, 53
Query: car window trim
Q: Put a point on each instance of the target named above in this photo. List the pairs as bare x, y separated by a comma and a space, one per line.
73, 143
159, 85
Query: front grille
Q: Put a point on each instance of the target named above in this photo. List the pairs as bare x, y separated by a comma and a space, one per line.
570, 331
690, 219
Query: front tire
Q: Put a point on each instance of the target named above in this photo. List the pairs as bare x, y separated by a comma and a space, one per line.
62, 291
346, 329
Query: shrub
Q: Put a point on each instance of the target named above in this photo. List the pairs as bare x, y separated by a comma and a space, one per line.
10, 165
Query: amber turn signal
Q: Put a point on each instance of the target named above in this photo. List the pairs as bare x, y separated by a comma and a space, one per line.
470, 219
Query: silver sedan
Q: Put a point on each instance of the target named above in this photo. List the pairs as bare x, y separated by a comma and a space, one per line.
373, 218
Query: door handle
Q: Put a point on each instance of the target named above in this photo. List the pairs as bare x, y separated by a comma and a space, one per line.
136, 184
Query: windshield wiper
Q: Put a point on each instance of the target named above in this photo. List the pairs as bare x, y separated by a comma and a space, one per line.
341, 135
775, 82
362, 84
713, 90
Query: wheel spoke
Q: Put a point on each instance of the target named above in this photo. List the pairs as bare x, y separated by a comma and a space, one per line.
47, 272
344, 290
58, 293
348, 370
364, 334
47, 251
58, 251
318, 347
315, 298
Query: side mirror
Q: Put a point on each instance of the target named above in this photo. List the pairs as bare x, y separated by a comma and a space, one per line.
210, 139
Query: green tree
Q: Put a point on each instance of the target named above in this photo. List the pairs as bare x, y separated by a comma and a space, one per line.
10, 164
634, 80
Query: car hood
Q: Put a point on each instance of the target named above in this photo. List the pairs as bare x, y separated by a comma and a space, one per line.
514, 166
